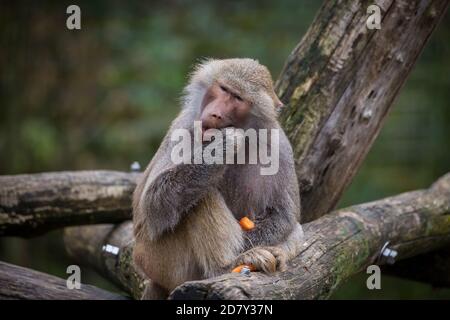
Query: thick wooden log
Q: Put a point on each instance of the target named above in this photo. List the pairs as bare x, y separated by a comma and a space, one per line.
87, 246
339, 84
31, 204
337, 246
20, 283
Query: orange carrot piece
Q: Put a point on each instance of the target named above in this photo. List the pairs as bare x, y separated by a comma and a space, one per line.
239, 268
246, 224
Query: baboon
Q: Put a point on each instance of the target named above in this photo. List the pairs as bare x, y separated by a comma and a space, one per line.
186, 216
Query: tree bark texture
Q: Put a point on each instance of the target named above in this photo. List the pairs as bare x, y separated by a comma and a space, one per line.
339, 84
31, 204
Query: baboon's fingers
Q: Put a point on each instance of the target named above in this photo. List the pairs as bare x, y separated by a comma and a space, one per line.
280, 256
260, 258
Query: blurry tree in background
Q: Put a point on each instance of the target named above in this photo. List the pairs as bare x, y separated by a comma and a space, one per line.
103, 97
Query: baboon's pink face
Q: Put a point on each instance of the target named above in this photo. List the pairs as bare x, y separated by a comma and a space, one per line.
222, 107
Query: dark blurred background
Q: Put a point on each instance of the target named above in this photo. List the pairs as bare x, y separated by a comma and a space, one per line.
103, 96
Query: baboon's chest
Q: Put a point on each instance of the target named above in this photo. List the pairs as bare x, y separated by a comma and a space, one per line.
246, 192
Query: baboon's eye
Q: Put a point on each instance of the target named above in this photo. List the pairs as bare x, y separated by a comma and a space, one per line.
237, 97
224, 89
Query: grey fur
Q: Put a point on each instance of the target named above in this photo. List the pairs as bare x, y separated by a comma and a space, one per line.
185, 216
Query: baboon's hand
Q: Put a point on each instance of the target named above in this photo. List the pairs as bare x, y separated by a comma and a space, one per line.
267, 259
234, 137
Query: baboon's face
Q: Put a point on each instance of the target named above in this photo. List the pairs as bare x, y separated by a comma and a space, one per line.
222, 107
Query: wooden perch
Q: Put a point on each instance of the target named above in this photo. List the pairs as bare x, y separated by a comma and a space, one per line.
337, 246
87, 246
339, 84
31, 204
22, 283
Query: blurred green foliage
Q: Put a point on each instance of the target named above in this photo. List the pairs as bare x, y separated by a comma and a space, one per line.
103, 97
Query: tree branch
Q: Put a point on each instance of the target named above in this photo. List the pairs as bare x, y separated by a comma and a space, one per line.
337, 246
31, 204
85, 245
22, 283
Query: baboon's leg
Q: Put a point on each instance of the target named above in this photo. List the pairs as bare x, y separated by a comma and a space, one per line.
215, 234
205, 244
153, 291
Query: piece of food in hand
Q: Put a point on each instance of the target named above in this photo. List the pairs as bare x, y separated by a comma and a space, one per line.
239, 268
246, 224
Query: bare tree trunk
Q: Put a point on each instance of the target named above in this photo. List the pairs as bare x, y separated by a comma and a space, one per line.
339, 84
22, 283
337, 246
